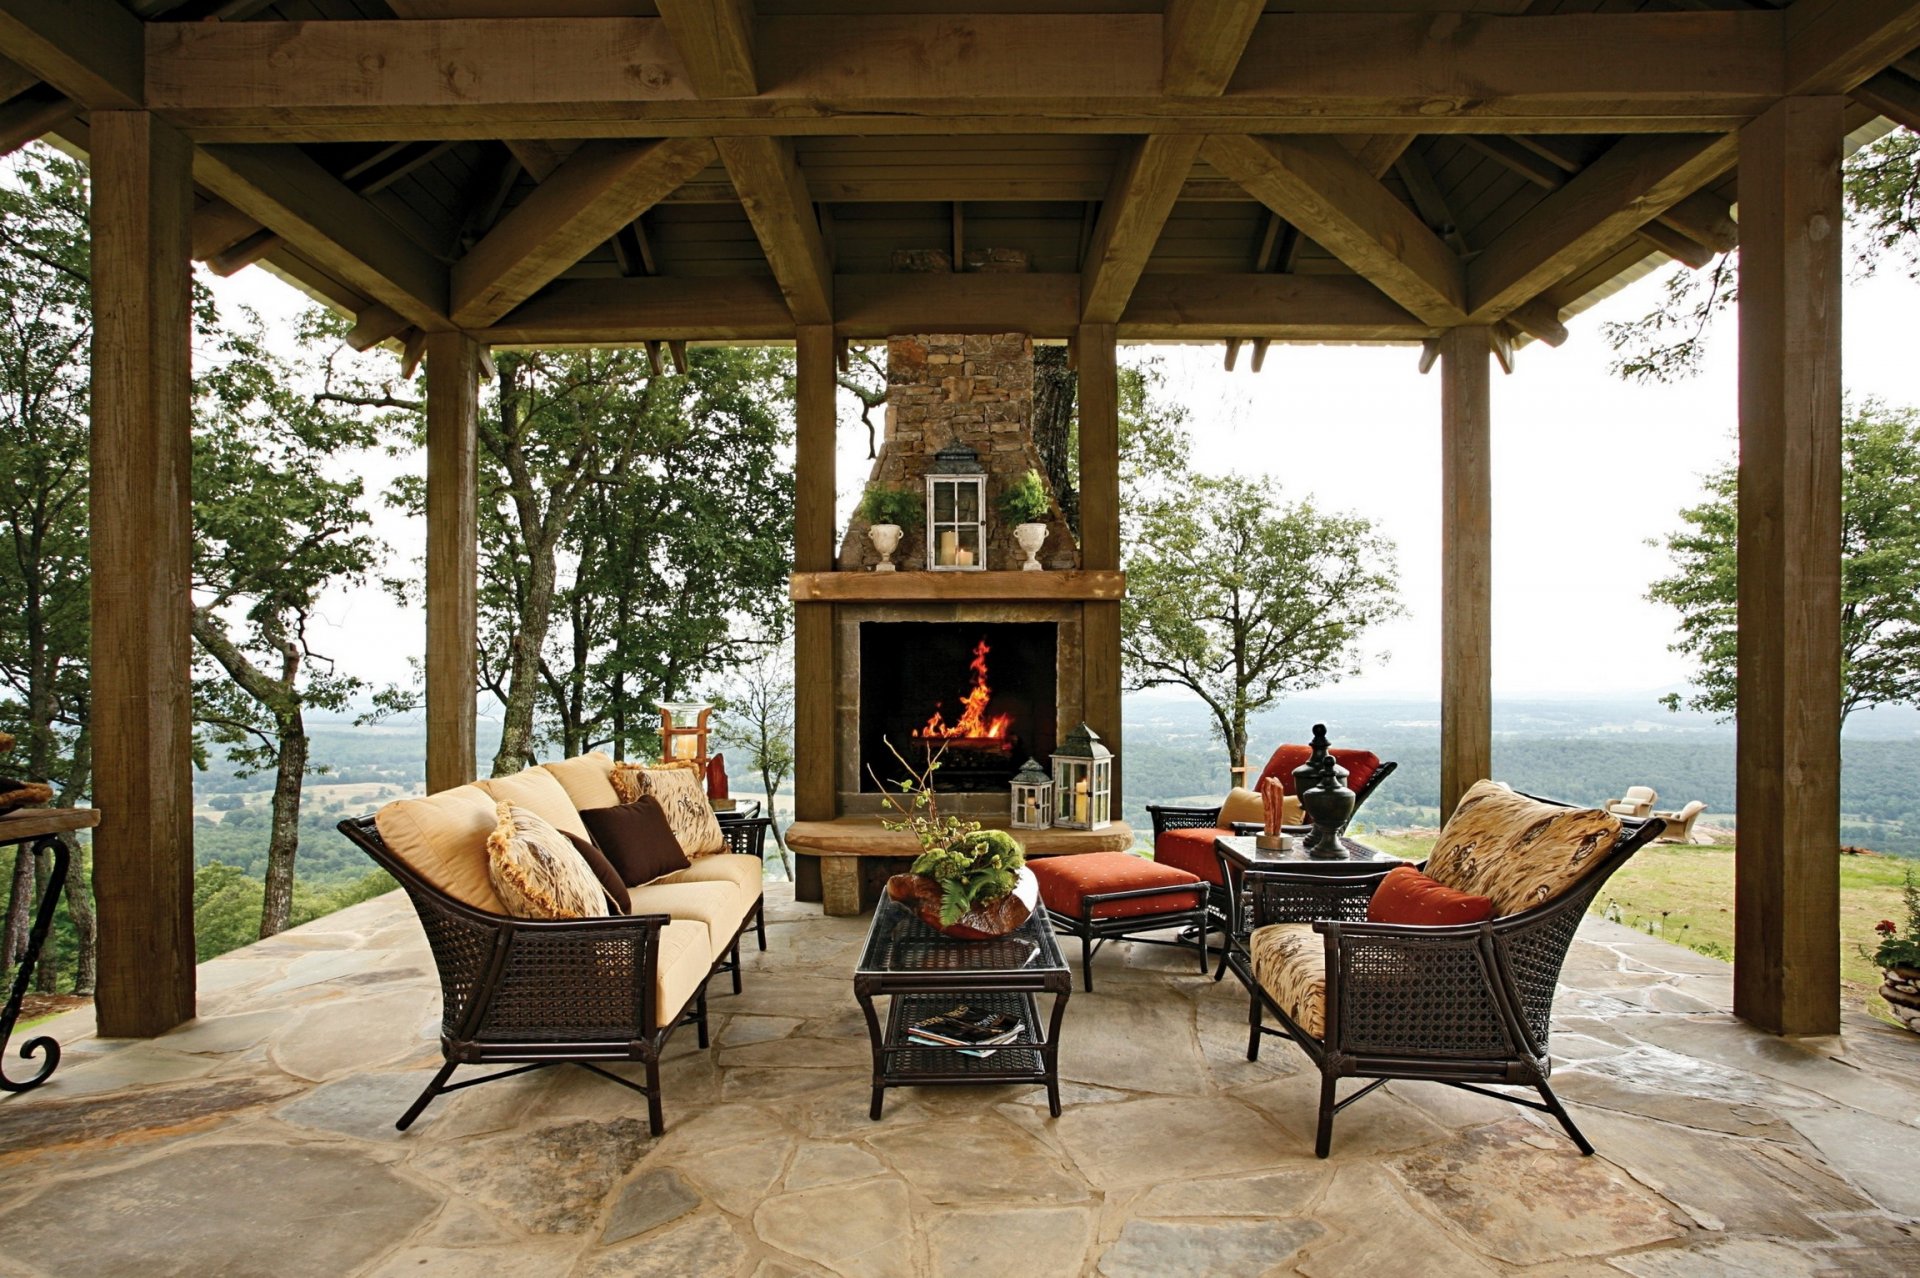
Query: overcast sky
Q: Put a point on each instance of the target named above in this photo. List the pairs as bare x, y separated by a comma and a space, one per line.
1586, 468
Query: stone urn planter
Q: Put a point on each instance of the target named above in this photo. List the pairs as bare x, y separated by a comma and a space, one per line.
984, 922
1030, 537
1902, 992
886, 540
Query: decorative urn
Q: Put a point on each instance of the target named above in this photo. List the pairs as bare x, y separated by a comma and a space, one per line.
1321, 786
886, 540
1030, 538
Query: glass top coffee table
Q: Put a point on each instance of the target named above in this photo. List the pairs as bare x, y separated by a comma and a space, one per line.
924, 973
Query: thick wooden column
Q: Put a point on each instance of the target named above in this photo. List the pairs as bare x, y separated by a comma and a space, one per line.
1466, 564
141, 557
453, 557
1100, 529
815, 766
1786, 875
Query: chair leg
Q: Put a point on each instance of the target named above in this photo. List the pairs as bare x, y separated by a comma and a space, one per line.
426, 1098
760, 922
1253, 1026
1323, 1137
1086, 958
1200, 942
1554, 1107
656, 1120
735, 952
700, 1017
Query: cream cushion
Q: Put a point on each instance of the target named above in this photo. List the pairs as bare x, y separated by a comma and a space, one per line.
1290, 962
722, 907
443, 839
682, 964
587, 779
722, 867
537, 872
537, 790
1243, 804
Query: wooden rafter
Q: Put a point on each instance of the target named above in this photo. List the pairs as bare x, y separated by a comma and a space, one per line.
1834, 45
93, 51
1893, 95
1145, 185
1203, 41
32, 114
1317, 186
715, 41
1703, 216
1663, 233
602, 188
774, 194
1612, 198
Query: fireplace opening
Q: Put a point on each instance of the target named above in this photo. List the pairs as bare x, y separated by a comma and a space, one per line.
981, 693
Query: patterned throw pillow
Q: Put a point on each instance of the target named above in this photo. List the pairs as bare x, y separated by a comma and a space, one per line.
537, 872
682, 794
1519, 851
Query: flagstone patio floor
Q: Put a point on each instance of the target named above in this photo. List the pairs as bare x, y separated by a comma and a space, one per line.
258, 1140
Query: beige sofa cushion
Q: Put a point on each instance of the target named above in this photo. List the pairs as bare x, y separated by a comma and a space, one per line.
723, 907
722, 867
537, 872
443, 839
1516, 850
685, 959
682, 793
539, 792
587, 779
1290, 962
1243, 804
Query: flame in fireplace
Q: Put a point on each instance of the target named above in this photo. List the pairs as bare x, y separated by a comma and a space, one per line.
973, 723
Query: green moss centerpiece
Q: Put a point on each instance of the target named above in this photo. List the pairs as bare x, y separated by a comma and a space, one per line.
968, 882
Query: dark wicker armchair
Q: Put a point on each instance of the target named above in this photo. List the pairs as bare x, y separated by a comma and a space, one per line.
1464, 1005
534, 993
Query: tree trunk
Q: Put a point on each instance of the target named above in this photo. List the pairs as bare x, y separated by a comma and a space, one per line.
523, 671
283, 844
19, 907
1055, 387
773, 818
1237, 746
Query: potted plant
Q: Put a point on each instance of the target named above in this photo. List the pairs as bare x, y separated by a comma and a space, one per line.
1899, 958
970, 883
1026, 506
889, 512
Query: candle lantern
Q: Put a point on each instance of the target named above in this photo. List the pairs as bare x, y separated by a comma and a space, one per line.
957, 511
1032, 797
683, 732
1083, 782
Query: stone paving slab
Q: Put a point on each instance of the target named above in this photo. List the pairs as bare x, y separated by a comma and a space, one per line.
259, 1139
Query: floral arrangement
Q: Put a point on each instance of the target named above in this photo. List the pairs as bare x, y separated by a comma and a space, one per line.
971, 865
1900, 947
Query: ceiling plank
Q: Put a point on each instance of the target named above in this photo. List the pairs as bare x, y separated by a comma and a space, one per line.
93, 51
336, 230
1145, 185
774, 193
1318, 187
715, 40
1834, 45
1203, 41
601, 188
1628, 186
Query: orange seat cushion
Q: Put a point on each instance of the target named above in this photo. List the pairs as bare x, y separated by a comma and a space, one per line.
1408, 896
1191, 850
1066, 882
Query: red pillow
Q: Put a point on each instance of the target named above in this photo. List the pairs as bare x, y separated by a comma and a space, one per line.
1408, 896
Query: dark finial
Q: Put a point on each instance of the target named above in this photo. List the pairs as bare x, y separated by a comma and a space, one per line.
1319, 736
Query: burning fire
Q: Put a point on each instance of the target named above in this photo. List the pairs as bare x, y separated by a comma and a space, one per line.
973, 723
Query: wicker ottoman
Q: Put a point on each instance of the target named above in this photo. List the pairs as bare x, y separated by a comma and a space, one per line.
1106, 896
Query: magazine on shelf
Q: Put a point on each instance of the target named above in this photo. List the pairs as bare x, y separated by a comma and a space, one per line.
968, 1029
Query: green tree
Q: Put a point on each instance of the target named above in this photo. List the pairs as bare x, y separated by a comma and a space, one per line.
274, 528
1240, 597
756, 718
1880, 570
45, 342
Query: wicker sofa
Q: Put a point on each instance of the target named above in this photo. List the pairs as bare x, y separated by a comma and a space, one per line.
533, 993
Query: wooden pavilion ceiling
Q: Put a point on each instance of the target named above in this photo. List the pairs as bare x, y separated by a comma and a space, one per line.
619, 170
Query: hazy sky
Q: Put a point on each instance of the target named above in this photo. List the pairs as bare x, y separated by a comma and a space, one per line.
1587, 468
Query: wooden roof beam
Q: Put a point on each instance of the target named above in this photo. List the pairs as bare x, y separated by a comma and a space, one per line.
1704, 216
1893, 95
1202, 42
1145, 185
93, 51
600, 189
1318, 187
32, 114
774, 193
1833, 46
1632, 183
715, 40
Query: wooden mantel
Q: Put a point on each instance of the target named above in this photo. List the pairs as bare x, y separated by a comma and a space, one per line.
1073, 585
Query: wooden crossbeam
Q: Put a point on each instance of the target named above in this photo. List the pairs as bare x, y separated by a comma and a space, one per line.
774, 194
715, 40
1203, 41
1145, 185
1834, 45
1893, 95
373, 326
93, 51
218, 226
1317, 186
32, 114
944, 73
602, 188
1540, 320
1616, 195
1703, 216
285, 191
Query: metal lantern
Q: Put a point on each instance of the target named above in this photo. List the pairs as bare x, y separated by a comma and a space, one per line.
1032, 797
1083, 782
683, 732
957, 511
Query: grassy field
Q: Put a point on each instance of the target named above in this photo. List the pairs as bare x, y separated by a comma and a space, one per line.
1685, 895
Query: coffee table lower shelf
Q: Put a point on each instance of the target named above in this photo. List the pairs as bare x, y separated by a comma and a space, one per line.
900, 1062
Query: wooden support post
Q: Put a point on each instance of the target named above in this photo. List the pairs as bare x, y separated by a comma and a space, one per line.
816, 768
141, 558
1786, 974
1466, 558
453, 557
1100, 531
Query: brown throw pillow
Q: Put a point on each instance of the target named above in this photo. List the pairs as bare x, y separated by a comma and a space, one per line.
637, 838
682, 796
603, 870
536, 871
